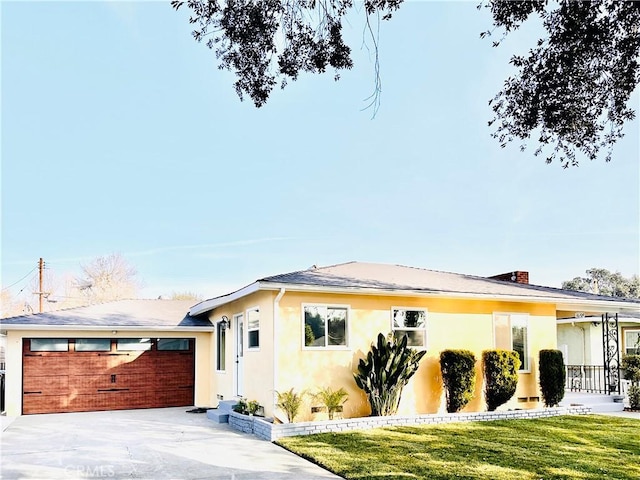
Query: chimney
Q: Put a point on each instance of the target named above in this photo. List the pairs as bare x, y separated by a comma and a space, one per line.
515, 277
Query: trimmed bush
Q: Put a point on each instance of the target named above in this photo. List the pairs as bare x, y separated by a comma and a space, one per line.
552, 377
631, 367
459, 377
500, 369
388, 367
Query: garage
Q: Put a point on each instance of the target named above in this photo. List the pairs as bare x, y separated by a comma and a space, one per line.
86, 374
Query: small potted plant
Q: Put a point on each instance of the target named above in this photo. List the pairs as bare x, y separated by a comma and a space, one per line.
253, 407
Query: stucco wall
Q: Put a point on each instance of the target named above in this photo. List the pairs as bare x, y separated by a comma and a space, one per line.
450, 324
257, 376
13, 385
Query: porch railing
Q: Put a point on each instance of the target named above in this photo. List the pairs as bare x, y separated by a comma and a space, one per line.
589, 378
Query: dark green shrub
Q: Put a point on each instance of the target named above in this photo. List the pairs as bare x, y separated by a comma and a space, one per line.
552, 377
388, 367
241, 407
631, 367
500, 369
459, 377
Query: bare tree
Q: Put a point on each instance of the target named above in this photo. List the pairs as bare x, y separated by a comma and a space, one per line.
9, 307
108, 278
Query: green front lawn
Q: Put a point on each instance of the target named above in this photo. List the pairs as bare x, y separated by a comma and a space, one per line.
570, 447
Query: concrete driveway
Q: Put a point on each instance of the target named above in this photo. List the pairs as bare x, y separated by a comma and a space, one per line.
147, 444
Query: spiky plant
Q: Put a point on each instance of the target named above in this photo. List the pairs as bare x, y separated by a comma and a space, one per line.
388, 367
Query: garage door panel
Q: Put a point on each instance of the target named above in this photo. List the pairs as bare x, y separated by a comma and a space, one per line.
81, 362
36, 403
174, 361
41, 365
46, 385
73, 381
89, 384
175, 397
167, 380
134, 363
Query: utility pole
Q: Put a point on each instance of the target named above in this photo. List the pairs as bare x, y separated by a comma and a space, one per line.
41, 290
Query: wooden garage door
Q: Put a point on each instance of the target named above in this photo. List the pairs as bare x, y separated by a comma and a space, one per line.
85, 374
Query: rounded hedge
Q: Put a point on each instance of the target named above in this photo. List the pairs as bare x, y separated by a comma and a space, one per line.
552, 376
459, 377
500, 369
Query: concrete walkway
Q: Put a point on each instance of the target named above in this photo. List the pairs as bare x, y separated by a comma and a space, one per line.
165, 443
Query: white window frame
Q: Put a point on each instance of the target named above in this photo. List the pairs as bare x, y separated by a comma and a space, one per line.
624, 336
347, 327
412, 329
249, 329
224, 356
527, 353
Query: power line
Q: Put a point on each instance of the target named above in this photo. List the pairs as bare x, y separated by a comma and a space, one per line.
14, 283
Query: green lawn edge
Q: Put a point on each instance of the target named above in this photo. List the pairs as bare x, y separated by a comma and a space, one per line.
581, 447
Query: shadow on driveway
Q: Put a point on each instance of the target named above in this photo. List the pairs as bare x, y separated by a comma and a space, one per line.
146, 444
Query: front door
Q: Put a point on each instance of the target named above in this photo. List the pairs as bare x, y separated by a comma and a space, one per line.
239, 352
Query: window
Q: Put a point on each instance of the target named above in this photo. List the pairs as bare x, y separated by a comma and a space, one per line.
93, 344
221, 346
411, 322
325, 326
172, 344
49, 345
133, 344
511, 333
632, 342
253, 327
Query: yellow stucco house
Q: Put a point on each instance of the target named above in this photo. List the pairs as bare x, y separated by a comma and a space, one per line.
303, 330
308, 329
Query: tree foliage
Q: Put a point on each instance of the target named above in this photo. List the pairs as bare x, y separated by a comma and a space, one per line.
603, 282
108, 278
572, 89
269, 41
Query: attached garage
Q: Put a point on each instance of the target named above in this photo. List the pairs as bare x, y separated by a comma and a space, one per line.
84, 374
114, 356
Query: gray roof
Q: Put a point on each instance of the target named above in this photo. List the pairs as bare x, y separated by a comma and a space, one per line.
411, 279
143, 314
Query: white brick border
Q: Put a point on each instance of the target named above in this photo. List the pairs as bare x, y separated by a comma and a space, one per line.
271, 432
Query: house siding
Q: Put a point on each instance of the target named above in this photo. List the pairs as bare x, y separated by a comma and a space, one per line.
257, 376
451, 323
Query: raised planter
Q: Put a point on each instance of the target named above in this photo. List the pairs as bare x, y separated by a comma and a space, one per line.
271, 432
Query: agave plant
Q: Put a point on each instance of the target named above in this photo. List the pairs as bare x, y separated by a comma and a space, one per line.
331, 399
388, 367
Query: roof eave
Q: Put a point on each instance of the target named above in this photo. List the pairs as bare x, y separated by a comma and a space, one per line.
213, 303
103, 328
578, 304
603, 306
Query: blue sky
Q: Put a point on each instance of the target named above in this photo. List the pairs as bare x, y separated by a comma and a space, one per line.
119, 134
